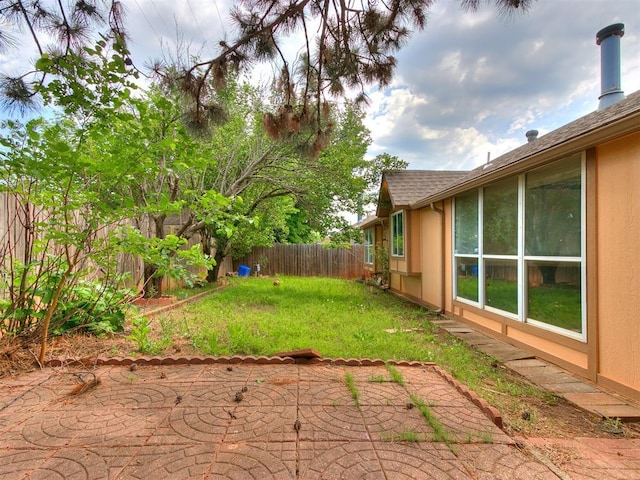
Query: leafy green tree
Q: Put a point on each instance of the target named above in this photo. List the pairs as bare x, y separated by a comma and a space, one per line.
267, 179
164, 166
51, 168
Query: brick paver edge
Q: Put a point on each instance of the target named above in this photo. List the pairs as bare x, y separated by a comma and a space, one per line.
491, 412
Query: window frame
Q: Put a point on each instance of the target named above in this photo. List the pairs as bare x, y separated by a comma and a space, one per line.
368, 246
397, 251
521, 258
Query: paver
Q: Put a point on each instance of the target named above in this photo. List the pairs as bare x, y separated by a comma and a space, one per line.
290, 421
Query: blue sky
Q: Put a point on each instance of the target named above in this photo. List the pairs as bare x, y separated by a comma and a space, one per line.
473, 84
468, 86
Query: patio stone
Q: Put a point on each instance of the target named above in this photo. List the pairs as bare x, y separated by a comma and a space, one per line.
291, 421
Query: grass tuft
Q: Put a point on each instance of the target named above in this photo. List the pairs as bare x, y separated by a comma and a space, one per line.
396, 376
355, 394
440, 433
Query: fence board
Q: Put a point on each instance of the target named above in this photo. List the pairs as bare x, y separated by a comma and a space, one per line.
307, 260
14, 237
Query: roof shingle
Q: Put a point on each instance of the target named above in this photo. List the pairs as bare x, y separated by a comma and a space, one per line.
408, 186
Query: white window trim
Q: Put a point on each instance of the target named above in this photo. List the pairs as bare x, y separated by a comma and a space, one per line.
404, 236
369, 257
522, 260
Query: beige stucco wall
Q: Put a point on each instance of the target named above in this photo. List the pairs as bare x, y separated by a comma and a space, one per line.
410, 285
431, 259
414, 240
618, 260
448, 252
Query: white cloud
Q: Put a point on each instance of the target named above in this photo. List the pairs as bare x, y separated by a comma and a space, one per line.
469, 84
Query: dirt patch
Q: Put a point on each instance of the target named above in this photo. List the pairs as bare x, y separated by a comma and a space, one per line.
554, 417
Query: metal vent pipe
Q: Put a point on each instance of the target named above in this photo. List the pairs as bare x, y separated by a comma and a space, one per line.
609, 40
531, 135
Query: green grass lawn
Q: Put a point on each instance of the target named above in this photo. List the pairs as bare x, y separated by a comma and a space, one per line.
336, 317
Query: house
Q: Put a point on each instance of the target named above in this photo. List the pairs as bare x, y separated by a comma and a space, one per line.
539, 247
399, 190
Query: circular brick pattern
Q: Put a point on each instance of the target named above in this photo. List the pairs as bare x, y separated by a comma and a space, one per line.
186, 421
73, 465
344, 461
200, 424
262, 424
255, 462
130, 396
325, 422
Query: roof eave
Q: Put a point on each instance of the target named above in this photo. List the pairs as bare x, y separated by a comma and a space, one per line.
591, 138
370, 223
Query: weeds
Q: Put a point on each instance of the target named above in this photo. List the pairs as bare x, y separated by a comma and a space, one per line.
140, 331
355, 394
440, 433
396, 376
140, 335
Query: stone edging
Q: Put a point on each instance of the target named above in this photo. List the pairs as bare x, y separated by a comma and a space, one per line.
235, 359
491, 412
179, 303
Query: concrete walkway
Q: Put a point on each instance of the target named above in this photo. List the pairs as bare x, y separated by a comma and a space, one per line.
568, 458
582, 393
250, 421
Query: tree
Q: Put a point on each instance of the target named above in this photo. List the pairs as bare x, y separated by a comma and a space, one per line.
372, 174
57, 30
51, 168
266, 180
164, 168
354, 47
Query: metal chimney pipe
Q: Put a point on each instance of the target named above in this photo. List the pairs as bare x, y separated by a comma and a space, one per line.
609, 40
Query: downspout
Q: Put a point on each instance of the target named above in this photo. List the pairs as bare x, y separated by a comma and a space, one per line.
442, 257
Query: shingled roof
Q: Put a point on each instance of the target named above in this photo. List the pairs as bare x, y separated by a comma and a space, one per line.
595, 128
408, 186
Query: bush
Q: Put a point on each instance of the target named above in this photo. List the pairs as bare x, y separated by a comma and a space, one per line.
90, 307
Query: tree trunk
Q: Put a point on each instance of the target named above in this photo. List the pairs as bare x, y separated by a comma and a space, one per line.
152, 283
220, 255
212, 275
548, 274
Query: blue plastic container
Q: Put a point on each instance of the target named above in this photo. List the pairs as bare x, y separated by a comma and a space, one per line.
244, 271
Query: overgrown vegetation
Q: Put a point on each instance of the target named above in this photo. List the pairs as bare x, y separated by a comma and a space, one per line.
440, 433
337, 317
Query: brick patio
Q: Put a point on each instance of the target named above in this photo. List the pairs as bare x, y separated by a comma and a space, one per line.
183, 422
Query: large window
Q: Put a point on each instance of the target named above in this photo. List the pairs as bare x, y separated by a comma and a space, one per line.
368, 246
397, 234
553, 245
500, 245
466, 246
518, 247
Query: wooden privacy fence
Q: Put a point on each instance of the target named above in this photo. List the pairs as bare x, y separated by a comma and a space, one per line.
17, 233
307, 261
